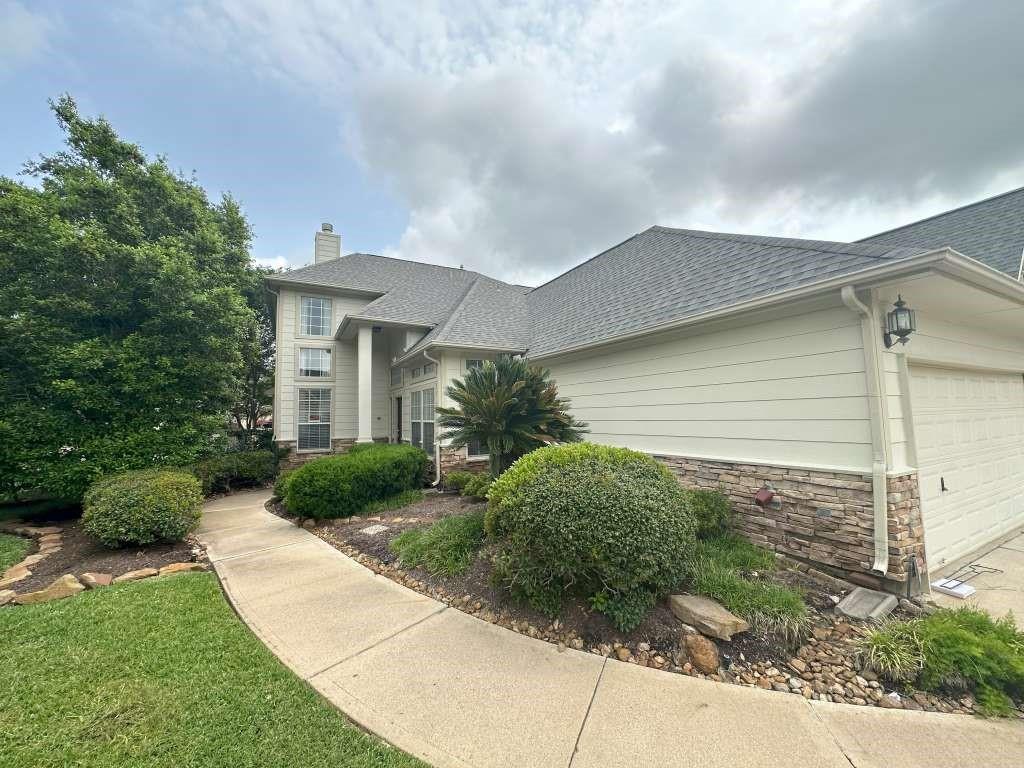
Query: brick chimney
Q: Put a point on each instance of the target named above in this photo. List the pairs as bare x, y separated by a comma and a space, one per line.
326, 245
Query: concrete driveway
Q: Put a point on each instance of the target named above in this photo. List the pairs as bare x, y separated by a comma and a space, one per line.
998, 592
457, 692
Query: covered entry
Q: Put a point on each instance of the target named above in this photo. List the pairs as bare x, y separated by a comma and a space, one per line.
970, 442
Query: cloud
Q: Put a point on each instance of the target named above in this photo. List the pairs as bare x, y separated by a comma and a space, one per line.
523, 139
23, 34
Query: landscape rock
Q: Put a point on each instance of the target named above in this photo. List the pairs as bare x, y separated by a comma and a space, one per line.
703, 653
706, 615
863, 604
66, 586
33, 559
95, 580
6, 595
181, 568
141, 573
14, 574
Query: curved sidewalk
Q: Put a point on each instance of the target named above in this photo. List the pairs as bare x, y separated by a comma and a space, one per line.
457, 691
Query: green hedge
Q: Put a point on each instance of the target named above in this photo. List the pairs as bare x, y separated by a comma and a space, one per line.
457, 479
712, 511
340, 486
142, 507
221, 474
611, 524
477, 486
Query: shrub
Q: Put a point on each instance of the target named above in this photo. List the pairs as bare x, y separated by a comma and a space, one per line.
142, 507
446, 547
477, 486
608, 523
235, 470
281, 483
712, 511
958, 649
399, 500
341, 486
457, 479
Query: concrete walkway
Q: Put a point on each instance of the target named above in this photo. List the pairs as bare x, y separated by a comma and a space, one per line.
1000, 591
456, 691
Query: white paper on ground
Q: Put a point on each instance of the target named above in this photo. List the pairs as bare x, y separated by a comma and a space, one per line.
953, 587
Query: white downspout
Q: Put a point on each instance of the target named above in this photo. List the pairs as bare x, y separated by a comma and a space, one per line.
437, 441
878, 463
1020, 269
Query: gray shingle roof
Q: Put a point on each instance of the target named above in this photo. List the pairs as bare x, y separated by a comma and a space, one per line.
991, 231
663, 275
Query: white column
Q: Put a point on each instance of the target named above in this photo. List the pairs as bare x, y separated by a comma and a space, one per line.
365, 379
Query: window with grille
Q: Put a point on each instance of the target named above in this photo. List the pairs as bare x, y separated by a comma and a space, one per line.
314, 362
314, 420
423, 420
475, 448
428, 369
314, 316
396, 377
474, 364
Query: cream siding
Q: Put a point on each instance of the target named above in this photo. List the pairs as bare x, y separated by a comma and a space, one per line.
780, 389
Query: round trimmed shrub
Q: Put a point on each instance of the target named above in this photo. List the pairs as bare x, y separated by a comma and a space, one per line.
608, 523
340, 486
142, 507
712, 511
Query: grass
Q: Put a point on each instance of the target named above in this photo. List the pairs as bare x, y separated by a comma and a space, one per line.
12, 550
720, 569
447, 547
955, 649
399, 500
161, 673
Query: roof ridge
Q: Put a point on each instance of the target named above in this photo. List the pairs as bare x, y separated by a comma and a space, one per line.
790, 241
586, 261
438, 332
941, 214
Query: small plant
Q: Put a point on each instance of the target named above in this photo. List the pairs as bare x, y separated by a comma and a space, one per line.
399, 500
446, 547
610, 524
235, 470
142, 507
281, 483
477, 486
457, 479
956, 649
712, 511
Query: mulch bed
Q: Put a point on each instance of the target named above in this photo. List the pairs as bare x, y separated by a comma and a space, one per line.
825, 666
81, 554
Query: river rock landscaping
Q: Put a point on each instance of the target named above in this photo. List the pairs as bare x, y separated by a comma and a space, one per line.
826, 664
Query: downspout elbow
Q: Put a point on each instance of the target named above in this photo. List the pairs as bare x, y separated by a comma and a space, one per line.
879, 480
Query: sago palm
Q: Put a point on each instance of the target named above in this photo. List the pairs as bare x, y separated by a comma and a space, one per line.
510, 407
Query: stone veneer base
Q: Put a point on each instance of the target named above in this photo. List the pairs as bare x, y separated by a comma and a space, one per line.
819, 517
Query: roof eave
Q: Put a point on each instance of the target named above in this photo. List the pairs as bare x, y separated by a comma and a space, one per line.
459, 347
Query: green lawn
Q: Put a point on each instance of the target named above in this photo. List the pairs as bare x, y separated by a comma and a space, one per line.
161, 673
12, 550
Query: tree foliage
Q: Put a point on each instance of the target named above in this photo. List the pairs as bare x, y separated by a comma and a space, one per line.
122, 313
511, 407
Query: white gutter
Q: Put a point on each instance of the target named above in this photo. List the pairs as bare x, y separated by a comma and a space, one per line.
437, 440
872, 374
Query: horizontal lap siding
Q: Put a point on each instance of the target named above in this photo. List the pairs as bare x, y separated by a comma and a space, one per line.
787, 390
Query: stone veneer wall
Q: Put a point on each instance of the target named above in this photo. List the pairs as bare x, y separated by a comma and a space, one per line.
825, 518
294, 459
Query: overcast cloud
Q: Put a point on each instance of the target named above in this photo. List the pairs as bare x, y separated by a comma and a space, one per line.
525, 139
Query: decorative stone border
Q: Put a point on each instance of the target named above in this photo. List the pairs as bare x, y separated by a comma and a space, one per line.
50, 540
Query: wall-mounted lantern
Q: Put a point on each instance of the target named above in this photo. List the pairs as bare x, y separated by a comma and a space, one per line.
764, 495
900, 322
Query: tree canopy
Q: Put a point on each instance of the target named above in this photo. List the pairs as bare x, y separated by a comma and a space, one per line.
123, 313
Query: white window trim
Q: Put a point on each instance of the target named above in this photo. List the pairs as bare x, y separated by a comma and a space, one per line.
298, 363
298, 316
330, 422
421, 421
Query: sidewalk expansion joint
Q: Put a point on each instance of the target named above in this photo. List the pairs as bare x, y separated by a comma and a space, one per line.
256, 551
586, 715
839, 746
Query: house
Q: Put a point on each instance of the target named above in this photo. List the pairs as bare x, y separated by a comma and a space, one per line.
739, 361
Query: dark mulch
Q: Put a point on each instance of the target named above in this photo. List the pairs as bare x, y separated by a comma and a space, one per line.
80, 554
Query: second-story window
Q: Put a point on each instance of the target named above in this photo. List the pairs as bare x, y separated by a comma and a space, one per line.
314, 316
314, 362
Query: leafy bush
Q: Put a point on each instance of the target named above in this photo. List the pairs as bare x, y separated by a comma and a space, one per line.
608, 523
281, 483
341, 486
142, 507
236, 470
712, 511
399, 500
446, 547
958, 649
457, 479
477, 486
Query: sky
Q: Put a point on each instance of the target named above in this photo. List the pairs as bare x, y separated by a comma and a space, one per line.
519, 139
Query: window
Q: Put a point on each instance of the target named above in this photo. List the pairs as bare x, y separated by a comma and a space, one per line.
474, 448
314, 420
474, 364
396, 377
314, 362
429, 369
314, 316
416, 372
423, 420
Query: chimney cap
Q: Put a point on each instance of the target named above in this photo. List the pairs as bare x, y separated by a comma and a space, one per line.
326, 227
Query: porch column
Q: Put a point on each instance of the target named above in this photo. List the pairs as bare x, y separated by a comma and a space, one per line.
365, 379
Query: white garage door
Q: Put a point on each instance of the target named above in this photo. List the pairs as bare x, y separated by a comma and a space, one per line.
970, 440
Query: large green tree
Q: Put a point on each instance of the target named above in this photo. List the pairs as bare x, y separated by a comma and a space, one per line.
509, 406
122, 313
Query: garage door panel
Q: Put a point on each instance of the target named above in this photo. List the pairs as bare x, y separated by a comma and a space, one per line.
970, 435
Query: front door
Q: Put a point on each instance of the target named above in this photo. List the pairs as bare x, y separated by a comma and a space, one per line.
398, 419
